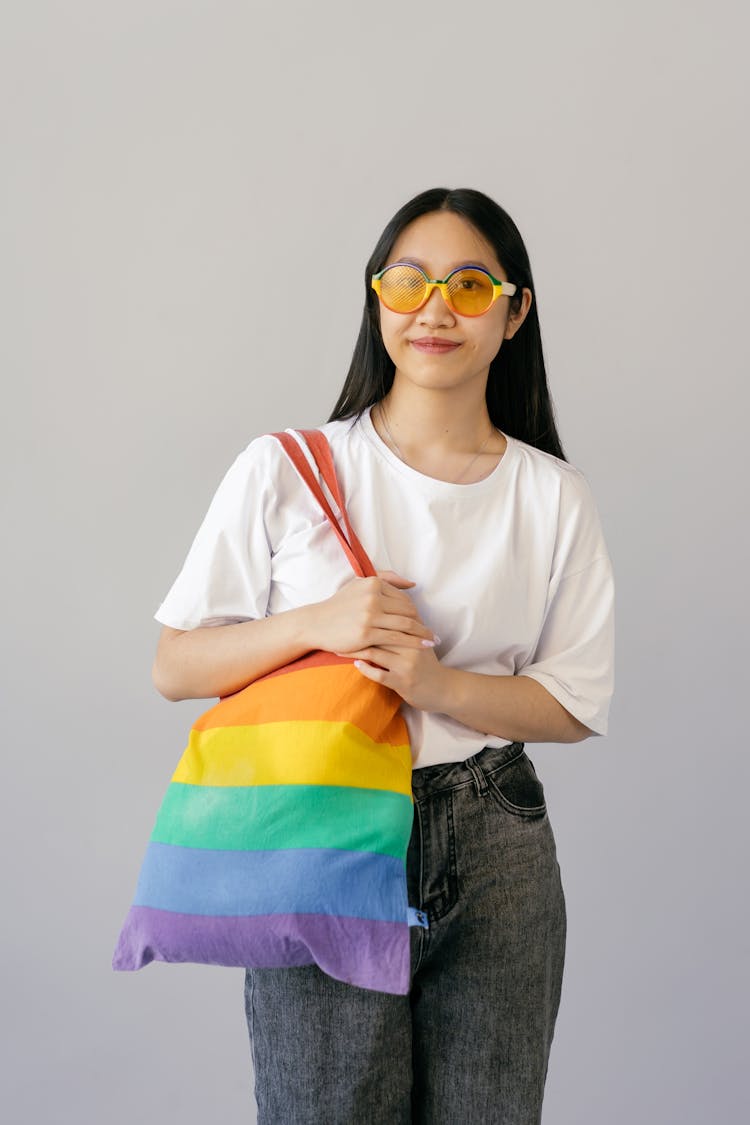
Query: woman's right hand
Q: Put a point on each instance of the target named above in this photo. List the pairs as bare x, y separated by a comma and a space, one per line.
367, 612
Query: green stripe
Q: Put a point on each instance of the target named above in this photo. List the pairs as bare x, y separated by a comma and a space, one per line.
255, 818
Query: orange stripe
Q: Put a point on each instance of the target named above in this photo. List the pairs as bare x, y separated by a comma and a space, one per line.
338, 693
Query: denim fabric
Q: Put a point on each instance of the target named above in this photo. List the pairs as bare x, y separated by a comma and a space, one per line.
471, 1041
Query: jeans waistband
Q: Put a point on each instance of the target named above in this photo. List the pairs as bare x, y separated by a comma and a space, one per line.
449, 775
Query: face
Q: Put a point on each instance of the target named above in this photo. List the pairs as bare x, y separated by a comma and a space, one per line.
439, 242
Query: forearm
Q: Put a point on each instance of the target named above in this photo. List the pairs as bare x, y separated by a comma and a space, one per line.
214, 661
513, 707
220, 660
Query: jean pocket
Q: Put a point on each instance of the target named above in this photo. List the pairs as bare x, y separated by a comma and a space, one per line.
516, 787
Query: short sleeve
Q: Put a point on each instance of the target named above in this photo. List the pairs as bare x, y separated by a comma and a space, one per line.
226, 575
574, 655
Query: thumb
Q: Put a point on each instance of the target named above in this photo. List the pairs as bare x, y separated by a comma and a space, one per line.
395, 579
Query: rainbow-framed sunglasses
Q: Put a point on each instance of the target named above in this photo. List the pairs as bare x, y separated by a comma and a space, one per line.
467, 290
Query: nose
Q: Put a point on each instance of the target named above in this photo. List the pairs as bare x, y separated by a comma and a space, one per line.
435, 311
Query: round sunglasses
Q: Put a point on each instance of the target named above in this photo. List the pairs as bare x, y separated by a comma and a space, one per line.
468, 290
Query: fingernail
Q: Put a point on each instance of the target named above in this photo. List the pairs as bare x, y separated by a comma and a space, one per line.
431, 644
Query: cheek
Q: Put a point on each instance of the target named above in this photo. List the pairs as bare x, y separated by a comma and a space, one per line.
391, 329
493, 336
487, 343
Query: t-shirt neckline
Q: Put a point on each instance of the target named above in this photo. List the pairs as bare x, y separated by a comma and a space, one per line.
442, 486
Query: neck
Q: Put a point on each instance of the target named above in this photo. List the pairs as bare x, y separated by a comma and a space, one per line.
441, 421
438, 434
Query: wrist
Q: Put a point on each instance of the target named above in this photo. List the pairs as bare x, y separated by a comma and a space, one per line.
435, 690
449, 687
305, 623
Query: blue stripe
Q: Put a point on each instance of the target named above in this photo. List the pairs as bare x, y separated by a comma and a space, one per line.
290, 881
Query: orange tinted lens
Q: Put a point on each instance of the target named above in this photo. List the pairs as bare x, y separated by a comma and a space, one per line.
402, 288
470, 291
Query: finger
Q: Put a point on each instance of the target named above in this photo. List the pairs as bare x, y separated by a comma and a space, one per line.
397, 601
390, 637
381, 657
384, 590
375, 652
387, 655
396, 623
392, 657
395, 579
377, 674
417, 636
362, 653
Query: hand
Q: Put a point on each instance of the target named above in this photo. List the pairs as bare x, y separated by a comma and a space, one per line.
415, 674
367, 612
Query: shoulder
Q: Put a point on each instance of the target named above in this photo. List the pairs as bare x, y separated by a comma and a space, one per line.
266, 447
260, 470
342, 432
255, 463
545, 471
263, 466
542, 461
561, 491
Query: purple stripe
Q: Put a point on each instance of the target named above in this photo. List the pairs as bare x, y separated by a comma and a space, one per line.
358, 951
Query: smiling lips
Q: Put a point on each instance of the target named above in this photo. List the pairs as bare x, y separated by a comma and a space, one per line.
433, 345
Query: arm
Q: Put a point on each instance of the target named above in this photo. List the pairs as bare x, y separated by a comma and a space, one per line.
513, 707
213, 661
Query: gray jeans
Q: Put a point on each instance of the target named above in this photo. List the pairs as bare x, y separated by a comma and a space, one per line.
471, 1041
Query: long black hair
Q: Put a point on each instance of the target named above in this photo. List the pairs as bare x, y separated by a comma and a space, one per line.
518, 399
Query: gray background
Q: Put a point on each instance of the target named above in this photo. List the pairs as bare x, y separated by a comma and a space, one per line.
157, 156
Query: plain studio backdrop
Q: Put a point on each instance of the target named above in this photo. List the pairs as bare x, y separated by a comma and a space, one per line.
190, 192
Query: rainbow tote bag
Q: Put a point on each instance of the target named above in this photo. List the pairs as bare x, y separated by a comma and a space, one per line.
282, 837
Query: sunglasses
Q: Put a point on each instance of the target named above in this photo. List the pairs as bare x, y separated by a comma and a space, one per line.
468, 290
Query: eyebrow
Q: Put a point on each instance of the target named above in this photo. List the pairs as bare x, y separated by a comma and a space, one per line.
455, 266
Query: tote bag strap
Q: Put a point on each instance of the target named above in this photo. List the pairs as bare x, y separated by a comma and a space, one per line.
318, 445
320, 449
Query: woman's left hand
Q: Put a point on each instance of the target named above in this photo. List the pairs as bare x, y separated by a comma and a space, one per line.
416, 675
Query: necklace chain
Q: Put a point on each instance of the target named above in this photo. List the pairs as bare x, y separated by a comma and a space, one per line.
394, 443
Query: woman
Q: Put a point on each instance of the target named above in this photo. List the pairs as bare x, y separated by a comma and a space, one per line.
491, 616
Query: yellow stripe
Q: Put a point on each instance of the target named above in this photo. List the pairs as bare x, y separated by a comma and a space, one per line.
294, 753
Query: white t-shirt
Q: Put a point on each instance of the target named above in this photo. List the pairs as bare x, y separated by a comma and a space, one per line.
512, 571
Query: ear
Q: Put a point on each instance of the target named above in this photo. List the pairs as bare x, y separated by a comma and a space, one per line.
516, 319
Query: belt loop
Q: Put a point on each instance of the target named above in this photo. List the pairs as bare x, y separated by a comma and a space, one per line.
480, 781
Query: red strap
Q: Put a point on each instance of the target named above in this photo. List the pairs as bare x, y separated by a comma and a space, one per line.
318, 446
